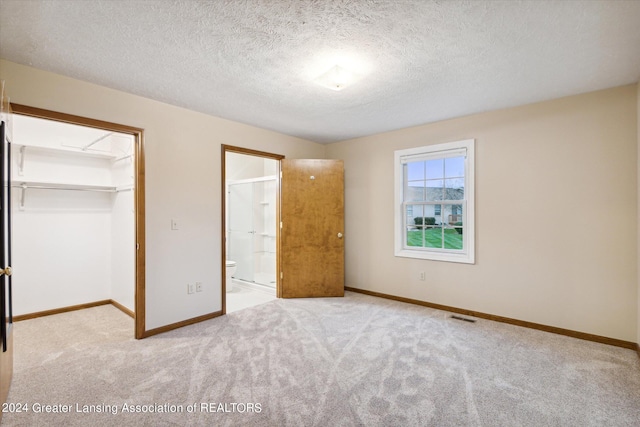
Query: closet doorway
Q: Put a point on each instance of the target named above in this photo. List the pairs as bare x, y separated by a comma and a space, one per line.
78, 215
250, 206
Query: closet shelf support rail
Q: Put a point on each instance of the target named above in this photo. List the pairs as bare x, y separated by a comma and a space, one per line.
96, 141
117, 159
69, 187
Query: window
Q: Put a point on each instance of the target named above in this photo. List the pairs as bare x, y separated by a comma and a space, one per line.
434, 210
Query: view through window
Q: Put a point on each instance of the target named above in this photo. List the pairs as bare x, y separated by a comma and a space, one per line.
434, 189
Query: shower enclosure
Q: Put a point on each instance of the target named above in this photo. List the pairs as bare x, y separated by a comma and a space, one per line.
251, 233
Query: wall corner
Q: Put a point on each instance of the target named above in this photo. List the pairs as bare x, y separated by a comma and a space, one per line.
638, 213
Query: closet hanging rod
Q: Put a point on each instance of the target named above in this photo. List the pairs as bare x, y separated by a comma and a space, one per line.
43, 187
65, 187
25, 186
96, 141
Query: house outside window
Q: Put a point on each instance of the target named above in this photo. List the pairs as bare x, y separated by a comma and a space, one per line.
434, 202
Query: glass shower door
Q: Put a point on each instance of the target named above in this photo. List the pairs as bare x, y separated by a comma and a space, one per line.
241, 229
265, 242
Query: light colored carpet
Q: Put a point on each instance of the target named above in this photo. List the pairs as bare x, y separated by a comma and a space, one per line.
353, 361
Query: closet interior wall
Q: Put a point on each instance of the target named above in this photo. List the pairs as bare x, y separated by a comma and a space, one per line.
73, 216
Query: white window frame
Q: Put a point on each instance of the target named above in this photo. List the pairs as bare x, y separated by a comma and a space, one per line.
436, 151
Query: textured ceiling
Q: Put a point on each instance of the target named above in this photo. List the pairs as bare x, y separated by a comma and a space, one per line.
254, 61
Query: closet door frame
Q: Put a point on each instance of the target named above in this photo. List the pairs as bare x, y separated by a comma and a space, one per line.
139, 193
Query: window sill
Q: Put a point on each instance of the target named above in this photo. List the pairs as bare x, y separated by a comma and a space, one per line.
464, 258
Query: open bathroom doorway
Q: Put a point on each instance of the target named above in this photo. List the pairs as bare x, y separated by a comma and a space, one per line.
250, 212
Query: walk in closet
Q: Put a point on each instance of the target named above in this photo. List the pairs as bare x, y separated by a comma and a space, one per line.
73, 216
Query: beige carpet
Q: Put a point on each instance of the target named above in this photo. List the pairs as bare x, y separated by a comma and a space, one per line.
353, 361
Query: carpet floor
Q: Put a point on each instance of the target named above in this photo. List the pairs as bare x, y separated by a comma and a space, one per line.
353, 361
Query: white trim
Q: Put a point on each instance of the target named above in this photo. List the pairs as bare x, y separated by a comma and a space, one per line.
467, 255
431, 155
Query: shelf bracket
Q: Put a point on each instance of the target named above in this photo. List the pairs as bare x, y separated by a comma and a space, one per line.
22, 196
21, 162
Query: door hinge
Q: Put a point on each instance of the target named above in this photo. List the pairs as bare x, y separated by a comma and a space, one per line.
280, 225
280, 174
137, 246
281, 275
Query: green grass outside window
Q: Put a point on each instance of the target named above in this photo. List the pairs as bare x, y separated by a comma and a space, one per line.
433, 238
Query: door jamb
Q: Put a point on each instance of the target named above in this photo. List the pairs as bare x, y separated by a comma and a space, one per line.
223, 232
139, 192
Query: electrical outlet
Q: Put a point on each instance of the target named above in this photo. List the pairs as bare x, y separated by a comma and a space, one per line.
174, 224
422, 276
190, 288
198, 286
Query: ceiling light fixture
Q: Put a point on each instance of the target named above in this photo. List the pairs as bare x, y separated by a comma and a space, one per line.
337, 78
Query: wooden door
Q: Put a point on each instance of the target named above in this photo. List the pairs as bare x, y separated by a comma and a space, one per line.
6, 321
312, 228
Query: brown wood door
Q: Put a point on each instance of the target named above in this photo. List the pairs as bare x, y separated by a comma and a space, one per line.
312, 215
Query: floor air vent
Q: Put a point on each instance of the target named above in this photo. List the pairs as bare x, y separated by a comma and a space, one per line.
463, 318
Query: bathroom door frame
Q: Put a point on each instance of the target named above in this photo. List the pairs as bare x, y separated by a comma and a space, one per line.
223, 203
139, 196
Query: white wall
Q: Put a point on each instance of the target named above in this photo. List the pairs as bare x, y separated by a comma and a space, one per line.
122, 246
61, 250
123, 235
556, 206
182, 151
241, 166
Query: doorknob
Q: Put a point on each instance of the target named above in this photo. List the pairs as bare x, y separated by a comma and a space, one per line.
339, 235
6, 270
